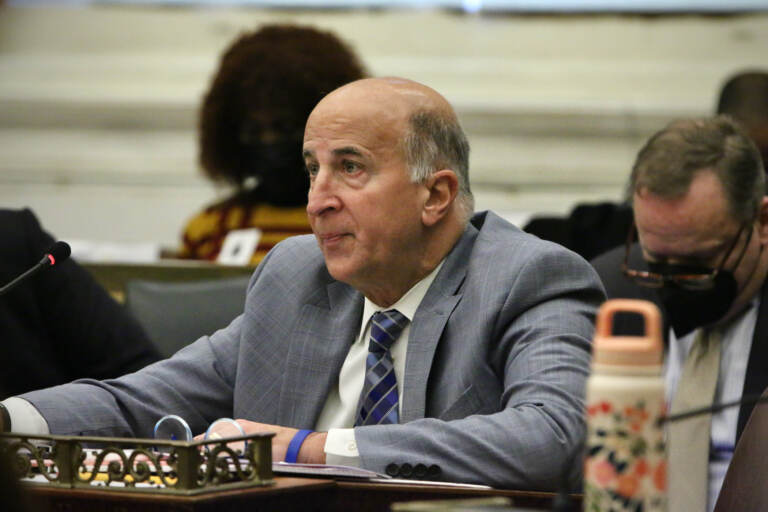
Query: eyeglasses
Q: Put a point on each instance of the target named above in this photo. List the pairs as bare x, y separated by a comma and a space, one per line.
702, 281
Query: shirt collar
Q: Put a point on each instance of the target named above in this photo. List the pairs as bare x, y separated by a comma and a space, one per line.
408, 303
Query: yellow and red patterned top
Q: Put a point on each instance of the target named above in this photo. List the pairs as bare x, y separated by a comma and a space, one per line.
204, 234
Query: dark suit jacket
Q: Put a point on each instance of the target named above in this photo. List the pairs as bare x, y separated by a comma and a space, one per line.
608, 267
744, 485
589, 230
58, 325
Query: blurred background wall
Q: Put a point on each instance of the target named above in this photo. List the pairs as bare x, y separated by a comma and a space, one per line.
98, 104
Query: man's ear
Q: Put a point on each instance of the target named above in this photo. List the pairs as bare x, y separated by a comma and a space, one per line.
442, 187
762, 221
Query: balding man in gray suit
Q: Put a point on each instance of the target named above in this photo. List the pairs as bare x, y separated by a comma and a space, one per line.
410, 336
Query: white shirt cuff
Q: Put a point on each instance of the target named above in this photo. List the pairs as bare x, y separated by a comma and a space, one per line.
25, 418
341, 447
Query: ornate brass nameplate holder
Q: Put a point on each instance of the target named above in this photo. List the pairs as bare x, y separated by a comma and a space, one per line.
140, 465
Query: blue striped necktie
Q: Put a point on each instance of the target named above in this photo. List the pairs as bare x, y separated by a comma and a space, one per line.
379, 399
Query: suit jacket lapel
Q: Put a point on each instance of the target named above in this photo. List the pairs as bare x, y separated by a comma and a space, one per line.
756, 380
327, 326
428, 324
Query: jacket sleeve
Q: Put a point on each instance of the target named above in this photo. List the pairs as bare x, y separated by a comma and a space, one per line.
197, 383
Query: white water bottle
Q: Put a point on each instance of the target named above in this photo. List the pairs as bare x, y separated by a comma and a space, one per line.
625, 466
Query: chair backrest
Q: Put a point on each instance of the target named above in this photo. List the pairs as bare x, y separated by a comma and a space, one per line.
114, 275
175, 314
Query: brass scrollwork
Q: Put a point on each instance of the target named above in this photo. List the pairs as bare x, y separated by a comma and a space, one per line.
181, 467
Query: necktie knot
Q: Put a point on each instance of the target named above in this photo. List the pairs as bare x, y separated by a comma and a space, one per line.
386, 327
710, 338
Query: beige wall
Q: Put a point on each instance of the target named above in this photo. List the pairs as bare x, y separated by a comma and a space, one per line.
97, 106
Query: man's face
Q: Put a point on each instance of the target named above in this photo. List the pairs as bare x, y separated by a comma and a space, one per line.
363, 208
698, 229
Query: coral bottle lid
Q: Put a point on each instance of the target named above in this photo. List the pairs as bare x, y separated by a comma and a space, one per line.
640, 350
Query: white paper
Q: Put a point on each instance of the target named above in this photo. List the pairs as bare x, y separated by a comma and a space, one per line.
239, 246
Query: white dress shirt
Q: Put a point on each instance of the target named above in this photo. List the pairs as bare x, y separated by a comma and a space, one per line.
338, 414
734, 356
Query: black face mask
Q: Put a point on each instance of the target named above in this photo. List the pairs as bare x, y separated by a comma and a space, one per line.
688, 309
279, 168
265, 158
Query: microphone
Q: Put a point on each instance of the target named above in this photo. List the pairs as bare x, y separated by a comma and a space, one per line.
56, 253
562, 501
755, 398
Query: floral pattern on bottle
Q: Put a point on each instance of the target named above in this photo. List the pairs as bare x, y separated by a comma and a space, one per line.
625, 467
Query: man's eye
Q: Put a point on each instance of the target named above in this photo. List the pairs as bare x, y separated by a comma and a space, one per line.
311, 169
350, 167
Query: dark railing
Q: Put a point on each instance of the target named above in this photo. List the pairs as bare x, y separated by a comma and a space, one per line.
141, 465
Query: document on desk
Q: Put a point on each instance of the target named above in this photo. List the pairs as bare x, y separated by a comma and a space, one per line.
325, 470
329, 471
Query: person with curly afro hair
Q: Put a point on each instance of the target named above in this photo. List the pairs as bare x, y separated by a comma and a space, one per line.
251, 129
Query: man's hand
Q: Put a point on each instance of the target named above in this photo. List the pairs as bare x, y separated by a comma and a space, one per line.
312, 450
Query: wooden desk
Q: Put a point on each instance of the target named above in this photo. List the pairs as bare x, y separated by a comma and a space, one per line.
287, 495
368, 497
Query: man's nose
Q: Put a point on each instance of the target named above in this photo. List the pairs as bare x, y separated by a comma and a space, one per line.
322, 194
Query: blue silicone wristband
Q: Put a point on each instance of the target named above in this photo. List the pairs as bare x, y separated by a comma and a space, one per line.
295, 445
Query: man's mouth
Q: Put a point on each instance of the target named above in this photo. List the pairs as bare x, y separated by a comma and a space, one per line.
329, 238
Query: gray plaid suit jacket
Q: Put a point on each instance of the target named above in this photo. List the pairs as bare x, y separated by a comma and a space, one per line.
497, 359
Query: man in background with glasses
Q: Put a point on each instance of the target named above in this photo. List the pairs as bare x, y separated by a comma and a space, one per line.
697, 191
